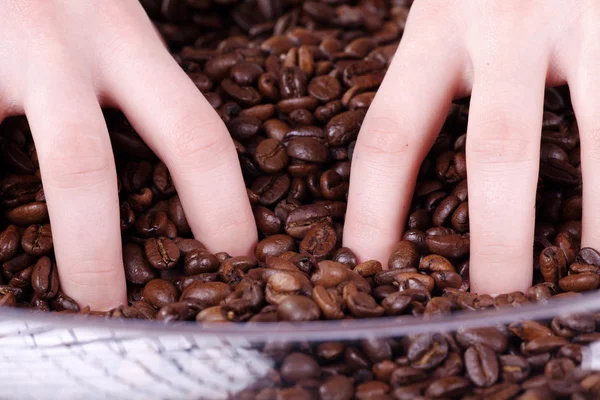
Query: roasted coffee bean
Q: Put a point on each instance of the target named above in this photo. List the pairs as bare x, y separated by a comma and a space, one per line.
336, 387
359, 303
299, 366
162, 253
325, 88
298, 308
345, 256
307, 149
529, 330
371, 390
9, 243
271, 156
513, 299
320, 240
588, 255
267, 222
451, 245
514, 368
580, 282
450, 386
44, 278
179, 311
159, 292
271, 189
137, 268
274, 246
176, 214
246, 299
37, 240
344, 128
303, 218
329, 303
553, 264
407, 375
427, 351
22, 279
405, 254
206, 294
491, 337
28, 214
481, 365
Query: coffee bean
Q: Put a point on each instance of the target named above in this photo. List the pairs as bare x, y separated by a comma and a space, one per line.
553, 264
206, 294
543, 344
405, 254
22, 279
159, 293
137, 269
332, 186
271, 156
371, 390
325, 88
451, 245
344, 128
28, 214
580, 282
368, 268
274, 245
303, 218
427, 351
307, 149
450, 386
589, 256
244, 128
271, 189
292, 81
180, 311
267, 222
44, 278
320, 240
491, 337
9, 243
162, 253
337, 387
37, 240
481, 365
298, 308
329, 303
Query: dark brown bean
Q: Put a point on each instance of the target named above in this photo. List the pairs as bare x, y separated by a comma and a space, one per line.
298, 308
162, 253
44, 279
159, 292
481, 365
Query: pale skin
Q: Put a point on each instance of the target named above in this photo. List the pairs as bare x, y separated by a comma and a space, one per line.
64, 59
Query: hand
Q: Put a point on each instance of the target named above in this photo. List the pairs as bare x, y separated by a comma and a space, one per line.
503, 53
60, 60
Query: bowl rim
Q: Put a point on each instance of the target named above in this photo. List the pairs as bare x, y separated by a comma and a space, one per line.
349, 329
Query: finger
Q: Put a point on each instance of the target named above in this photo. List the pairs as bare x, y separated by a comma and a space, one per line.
80, 184
584, 84
503, 145
399, 129
175, 120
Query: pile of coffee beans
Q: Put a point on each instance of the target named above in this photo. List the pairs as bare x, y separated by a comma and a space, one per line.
293, 80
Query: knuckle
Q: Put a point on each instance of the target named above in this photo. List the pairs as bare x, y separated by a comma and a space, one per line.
195, 139
504, 142
76, 161
384, 137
